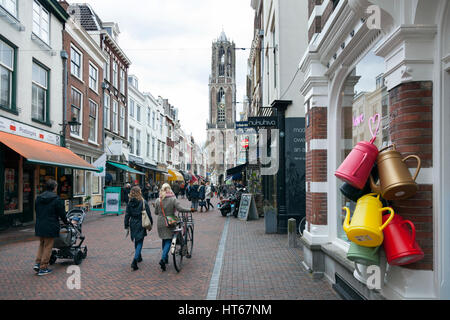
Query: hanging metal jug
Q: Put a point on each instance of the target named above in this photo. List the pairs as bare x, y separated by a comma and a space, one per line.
396, 182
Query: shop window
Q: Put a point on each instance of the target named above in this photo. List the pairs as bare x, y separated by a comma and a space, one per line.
79, 182
45, 173
12, 187
363, 100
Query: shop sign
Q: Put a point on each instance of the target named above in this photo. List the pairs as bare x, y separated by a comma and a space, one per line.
262, 122
135, 159
23, 130
114, 147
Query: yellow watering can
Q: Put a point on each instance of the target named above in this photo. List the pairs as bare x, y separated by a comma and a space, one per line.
366, 227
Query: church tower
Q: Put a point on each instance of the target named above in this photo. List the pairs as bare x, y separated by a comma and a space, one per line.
222, 109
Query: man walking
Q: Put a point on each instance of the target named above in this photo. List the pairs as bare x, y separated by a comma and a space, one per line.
49, 209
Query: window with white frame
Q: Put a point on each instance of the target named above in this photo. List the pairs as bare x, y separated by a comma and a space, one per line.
153, 148
79, 180
39, 104
148, 145
148, 116
138, 142
95, 183
107, 70
115, 116
76, 100
122, 81
131, 139
122, 121
138, 112
153, 120
93, 110
6, 74
10, 6
161, 119
107, 110
131, 103
41, 22
93, 77
115, 75
76, 62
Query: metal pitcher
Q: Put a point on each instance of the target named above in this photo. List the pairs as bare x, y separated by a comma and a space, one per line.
396, 182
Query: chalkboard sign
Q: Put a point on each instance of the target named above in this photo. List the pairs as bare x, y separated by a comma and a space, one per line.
247, 208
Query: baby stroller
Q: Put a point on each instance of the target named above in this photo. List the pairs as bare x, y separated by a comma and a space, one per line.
66, 247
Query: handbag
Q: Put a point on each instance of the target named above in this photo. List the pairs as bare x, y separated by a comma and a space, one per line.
146, 223
171, 221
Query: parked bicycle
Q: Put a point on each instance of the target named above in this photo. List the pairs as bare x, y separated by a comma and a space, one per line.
183, 239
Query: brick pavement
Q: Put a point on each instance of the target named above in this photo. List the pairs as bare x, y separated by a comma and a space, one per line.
256, 266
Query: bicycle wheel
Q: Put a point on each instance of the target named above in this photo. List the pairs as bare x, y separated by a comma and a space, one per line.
189, 240
178, 252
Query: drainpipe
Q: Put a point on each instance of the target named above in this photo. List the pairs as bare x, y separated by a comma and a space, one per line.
64, 56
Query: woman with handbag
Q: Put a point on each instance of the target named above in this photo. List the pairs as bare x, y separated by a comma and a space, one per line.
136, 207
165, 209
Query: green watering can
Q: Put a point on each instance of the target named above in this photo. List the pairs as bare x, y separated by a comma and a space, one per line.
367, 256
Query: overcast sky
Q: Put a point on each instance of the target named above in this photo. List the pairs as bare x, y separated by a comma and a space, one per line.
169, 43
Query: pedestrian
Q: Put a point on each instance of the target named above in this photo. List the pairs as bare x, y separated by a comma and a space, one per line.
166, 205
155, 191
202, 195
209, 194
194, 195
183, 190
133, 221
49, 209
125, 193
146, 191
176, 189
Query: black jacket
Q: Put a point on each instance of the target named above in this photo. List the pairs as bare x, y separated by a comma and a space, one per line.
125, 194
194, 193
133, 219
49, 209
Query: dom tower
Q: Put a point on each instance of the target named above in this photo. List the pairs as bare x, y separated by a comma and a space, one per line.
222, 109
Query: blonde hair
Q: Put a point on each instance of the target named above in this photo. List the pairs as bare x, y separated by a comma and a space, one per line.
164, 190
136, 193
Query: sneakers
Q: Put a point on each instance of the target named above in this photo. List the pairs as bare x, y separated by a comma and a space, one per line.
36, 267
162, 264
43, 272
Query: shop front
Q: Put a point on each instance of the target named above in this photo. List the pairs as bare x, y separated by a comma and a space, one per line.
117, 170
25, 166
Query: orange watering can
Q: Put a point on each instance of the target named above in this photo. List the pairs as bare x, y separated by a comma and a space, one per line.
366, 226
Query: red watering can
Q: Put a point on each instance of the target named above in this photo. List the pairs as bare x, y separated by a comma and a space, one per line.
357, 166
400, 243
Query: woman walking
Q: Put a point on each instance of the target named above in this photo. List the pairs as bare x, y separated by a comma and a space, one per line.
209, 194
194, 195
133, 220
166, 205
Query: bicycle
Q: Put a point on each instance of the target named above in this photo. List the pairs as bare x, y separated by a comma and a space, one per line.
183, 239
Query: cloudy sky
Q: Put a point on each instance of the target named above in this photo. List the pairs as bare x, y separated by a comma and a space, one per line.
169, 44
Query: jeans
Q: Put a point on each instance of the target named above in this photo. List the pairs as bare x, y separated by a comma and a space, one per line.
44, 251
194, 204
208, 204
138, 248
165, 249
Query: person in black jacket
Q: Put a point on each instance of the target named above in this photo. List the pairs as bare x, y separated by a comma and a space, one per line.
49, 209
133, 221
194, 195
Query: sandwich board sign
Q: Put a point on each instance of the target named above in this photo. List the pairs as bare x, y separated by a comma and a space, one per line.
247, 208
112, 201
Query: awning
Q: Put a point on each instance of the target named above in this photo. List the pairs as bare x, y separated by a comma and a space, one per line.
174, 175
236, 169
124, 167
44, 153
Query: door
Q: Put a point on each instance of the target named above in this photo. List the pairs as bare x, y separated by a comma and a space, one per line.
28, 193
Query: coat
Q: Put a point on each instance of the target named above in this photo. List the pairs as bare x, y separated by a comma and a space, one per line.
208, 192
125, 194
194, 193
170, 206
49, 209
202, 192
176, 188
133, 219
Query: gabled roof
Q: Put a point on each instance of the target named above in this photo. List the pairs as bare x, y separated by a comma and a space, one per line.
85, 16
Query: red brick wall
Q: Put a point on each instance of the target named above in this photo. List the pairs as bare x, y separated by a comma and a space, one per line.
83, 87
316, 166
411, 131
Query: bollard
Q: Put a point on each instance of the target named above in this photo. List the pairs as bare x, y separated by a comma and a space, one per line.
292, 234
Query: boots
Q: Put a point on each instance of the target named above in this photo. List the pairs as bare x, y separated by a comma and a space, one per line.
162, 264
134, 265
139, 259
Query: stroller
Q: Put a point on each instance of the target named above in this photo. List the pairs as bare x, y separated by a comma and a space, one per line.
66, 247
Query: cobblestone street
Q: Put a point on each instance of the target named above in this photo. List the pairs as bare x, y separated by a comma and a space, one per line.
255, 266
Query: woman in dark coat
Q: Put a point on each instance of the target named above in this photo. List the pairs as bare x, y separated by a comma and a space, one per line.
133, 220
170, 205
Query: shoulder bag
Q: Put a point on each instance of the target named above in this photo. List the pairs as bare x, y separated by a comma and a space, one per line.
146, 223
171, 221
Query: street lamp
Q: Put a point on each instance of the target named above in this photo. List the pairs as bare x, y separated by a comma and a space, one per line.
74, 126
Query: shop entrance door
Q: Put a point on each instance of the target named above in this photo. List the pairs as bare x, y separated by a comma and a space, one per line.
28, 194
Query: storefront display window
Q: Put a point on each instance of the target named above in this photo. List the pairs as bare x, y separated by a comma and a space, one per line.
364, 114
45, 173
12, 188
79, 185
